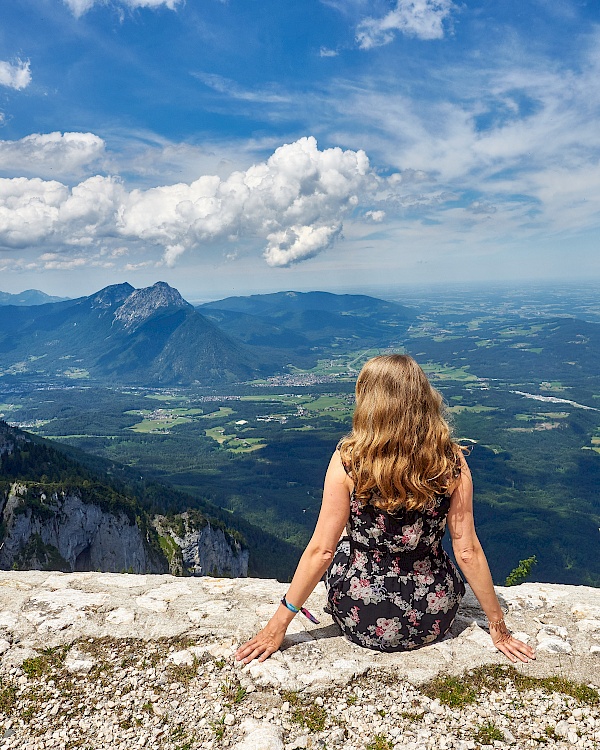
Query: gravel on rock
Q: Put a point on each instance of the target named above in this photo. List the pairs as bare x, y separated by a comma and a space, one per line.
103, 661
172, 694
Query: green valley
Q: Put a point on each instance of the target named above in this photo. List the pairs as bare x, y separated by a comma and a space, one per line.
522, 386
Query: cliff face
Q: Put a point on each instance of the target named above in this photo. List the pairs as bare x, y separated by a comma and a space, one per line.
200, 549
56, 515
62, 532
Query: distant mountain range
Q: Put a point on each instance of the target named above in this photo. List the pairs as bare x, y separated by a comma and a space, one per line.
152, 336
28, 297
144, 336
303, 320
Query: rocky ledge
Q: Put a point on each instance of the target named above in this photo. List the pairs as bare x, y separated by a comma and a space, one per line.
96, 660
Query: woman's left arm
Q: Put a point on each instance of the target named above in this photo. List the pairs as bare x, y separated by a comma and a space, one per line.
315, 560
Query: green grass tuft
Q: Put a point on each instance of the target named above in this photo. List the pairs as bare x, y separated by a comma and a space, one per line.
232, 691
451, 690
306, 714
184, 672
218, 727
487, 733
8, 696
47, 661
380, 742
460, 691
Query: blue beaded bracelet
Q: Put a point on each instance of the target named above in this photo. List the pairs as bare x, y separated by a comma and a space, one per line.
295, 610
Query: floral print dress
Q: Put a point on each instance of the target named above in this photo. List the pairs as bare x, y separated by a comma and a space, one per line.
391, 586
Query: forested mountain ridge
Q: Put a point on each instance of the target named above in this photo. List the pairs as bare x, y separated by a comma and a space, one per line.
308, 324
153, 337
57, 514
121, 334
282, 303
28, 297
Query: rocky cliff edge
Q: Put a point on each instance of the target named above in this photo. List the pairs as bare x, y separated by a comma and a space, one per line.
149, 656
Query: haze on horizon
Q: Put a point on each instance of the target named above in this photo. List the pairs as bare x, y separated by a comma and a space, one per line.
229, 148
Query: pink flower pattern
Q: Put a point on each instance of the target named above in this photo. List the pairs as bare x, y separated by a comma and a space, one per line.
391, 586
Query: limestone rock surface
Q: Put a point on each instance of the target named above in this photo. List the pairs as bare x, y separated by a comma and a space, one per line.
41, 609
113, 662
202, 550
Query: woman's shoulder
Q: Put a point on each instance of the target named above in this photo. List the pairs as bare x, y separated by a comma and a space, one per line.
344, 458
458, 468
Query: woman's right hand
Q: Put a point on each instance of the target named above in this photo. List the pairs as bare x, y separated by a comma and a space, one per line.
264, 643
513, 648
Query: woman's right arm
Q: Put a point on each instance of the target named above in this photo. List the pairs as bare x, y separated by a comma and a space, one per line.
473, 563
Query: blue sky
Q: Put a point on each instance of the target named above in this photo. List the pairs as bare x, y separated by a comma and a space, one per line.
231, 147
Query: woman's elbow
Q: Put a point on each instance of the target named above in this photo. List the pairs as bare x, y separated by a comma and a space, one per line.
467, 553
322, 553
465, 556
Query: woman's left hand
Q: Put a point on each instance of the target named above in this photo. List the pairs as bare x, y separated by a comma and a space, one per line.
512, 647
264, 643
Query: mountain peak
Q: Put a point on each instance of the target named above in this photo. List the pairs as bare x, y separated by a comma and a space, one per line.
111, 295
141, 304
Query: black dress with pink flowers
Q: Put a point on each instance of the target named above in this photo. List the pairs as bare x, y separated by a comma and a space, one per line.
391, 586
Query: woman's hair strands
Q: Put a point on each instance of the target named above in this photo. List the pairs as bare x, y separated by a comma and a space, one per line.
400, 452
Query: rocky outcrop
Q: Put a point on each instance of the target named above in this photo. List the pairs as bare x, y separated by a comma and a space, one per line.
9, 439
142, 304
106, 661
59, 531
62, 530
195, 547
562, 622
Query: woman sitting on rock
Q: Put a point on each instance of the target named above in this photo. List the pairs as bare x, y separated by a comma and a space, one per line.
393, 482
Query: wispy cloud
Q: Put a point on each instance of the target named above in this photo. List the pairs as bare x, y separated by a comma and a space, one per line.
326, 52
147, 159
79, 7
15, 75
233, 90
504, 152
423, 19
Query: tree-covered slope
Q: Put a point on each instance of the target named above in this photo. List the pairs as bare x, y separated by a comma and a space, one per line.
47, 470
146, 336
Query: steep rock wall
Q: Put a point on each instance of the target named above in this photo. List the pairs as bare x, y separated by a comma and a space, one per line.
61, 531
202, 549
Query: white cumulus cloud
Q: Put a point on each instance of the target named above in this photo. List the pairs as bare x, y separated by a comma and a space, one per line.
295, 200
49, 154
35, 210
299, 243
15, 76
293, 204
79, 7
29, 210
423, 19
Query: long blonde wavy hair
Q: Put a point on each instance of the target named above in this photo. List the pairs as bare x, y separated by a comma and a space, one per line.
400, 452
